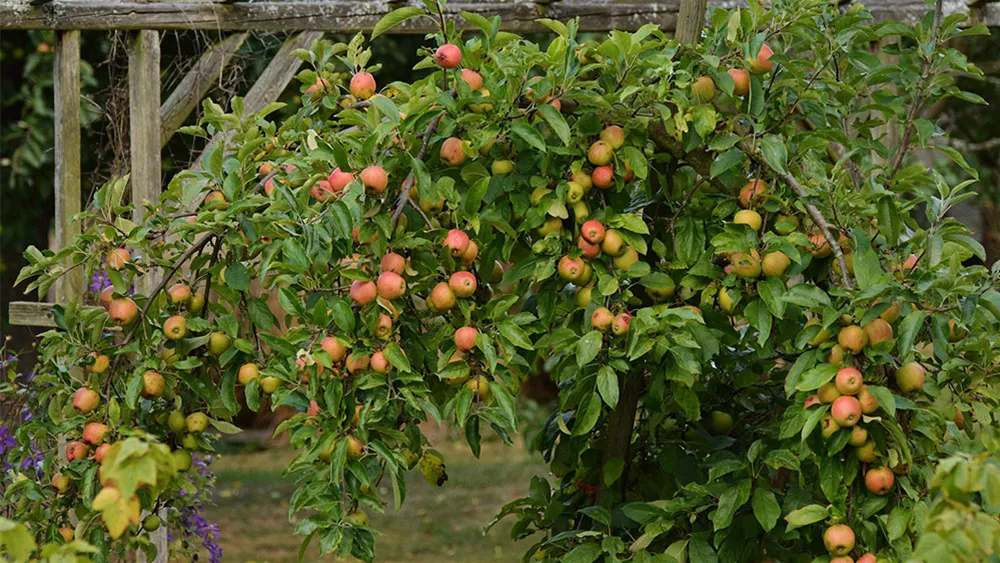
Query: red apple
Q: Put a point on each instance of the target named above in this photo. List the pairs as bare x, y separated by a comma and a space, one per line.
880, 480
85, 400
463, 284
93, 433
846, 411
363, 292
457, 242
391, 285
363, 85
849, 381
465, 338
375, 179
448, 56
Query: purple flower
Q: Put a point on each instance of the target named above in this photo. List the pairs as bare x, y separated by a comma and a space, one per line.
99, 281
7, 440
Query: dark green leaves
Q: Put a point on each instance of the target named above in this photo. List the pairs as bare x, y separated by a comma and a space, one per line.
588, 347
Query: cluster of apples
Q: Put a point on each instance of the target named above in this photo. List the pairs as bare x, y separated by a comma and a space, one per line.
839, 541
703, 88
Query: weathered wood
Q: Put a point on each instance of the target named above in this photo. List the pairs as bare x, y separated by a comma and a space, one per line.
195, 84
355, 15
691, 20
33, 313
67, 154
144, 127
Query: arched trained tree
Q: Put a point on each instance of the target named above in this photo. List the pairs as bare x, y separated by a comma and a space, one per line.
761, 352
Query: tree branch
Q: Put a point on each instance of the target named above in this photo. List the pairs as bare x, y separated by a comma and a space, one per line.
404, 196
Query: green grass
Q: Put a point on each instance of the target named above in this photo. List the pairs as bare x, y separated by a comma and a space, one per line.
434, 524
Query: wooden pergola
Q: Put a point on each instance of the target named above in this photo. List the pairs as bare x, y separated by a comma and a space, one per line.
153, 120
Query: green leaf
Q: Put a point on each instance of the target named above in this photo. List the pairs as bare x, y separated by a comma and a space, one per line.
556, 121
607, 385
729, 502
528, 134
395, 18
613, 470
775, 154
515, 334
890, 224
909, 329
726, 161
587, 414
588, 347
689, 243
225, 427
813, 378
808, 296
237, 276
899, 519
765, 508
806, 515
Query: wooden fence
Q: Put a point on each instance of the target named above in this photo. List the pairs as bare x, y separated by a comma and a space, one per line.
152, 123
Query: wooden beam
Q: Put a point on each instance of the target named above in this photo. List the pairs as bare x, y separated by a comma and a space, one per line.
67, 154
690, 20
144, 128
195, 84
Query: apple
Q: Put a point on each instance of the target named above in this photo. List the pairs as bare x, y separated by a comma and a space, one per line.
101, 452
218, 343
748, 217
583, 179
67, 534
270, 384
465, 338
891, 314
448, 56
869, 403
85, 400
152, 384
196, 304
61, 483
457, 242
852, 338
452, 151
375, 179
363, 85
151, 523
574, 192
380, 364
583, 296
955, 332
600, 154
107, 294
356, 518
117, 258
858, 437
720, 423
878, 330
866, 453
880, 480
836, 356
247, 372
839, 539
614, 136
93, 433
842, 559
179, 294
501, 167
363, 292
868, 558
216, 200
100, 364
601, 319
625, 260
196, 422
849, 381
472, 78
846, 410
785, 225
822, 336
569, 269
745, 265
355, 448
175, 420
480, 388
592, 231
339, 180
761, 64
76, 450
175, 327
660, 294
811, 400
442, 297
590, 251
726, 301
741, 81
334, 347
550, 226
821, 247
828, 393
620, 325
775, 264
463, 284
391, 285
383, 327
603, 177
754, 192
828, 426
357, 362
703, 89
393, 262
910, 377
318, 87
469, 256
123, 311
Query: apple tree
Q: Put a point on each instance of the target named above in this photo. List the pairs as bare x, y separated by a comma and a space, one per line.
770, 341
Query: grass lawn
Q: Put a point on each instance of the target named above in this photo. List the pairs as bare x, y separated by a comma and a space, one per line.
434, 524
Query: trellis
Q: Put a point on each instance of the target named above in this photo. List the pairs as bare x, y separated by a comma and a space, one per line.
153, 123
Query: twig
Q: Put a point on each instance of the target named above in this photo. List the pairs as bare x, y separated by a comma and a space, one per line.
208, 283
404, 196
421, 212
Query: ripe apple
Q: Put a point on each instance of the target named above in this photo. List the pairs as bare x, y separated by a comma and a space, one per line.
85, 400
175, 327
703, 89
741, 81
603, 177
218, 343
910, 377
67, 534
101, 452
593, 231
334, 347
880, 480
355, 448
869, 403
852, 338
452, 151
590, 250
878, 330
179, 294
76, 450
363, 85
318, 87
569, 269
501, 167
393, 262
849, 381
828, 426
270, 384
321, 191
463, 284
748, 217
152, 384
469, 256
117, 258
625, 260
448, 56
726, 301
839, 539
753, 193
357, 362
620, 325
600, 154
868, 558
614, 136
375, 179
380, 364
775, 264
601, 319
720, 423
61, 482
761, 64
339, 180
457, 242
828, 393
363, 292
480, 388
842, 559
216, 200
391, 285
107, 294
583, 179
383, 327
472, 78
465, 338
93, 433
442, 297
247, 372
811, 400
858, 437
821, 247
745, 265
846, 410
100, 364
123, 311
196, 422
866, 453
891, 314
836, 356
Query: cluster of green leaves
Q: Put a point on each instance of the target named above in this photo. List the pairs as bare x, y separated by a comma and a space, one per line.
645, 467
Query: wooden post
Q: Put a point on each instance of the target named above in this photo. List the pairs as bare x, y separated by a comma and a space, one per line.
67, 154
144, 129
690, 20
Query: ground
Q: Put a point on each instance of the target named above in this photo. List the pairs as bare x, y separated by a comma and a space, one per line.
434, 524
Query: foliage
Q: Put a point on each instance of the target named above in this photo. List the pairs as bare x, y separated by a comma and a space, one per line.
688, 425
